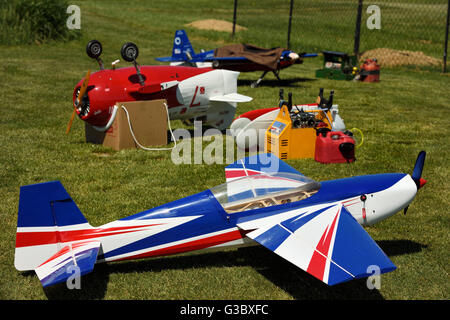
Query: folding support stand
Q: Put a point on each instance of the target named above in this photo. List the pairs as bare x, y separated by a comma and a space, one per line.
257, 82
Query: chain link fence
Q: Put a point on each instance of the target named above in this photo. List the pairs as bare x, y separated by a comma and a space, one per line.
410, 33
397, 33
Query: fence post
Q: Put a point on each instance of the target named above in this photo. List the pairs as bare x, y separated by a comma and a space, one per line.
290, 24
444, 68
358, 29
234, 17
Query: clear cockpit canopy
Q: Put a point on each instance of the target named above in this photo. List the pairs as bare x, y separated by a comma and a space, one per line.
263, 190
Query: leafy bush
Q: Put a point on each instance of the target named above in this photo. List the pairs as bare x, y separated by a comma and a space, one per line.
34, 21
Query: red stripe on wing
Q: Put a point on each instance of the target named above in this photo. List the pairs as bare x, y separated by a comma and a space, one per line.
318, 261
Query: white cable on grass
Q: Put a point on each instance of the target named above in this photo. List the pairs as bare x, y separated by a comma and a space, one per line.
146, 148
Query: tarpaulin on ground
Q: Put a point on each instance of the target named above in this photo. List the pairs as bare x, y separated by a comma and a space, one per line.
266, 57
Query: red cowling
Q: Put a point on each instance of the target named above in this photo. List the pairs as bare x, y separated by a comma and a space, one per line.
334, 147
370, 71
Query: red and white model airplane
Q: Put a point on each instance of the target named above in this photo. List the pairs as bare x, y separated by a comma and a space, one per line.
201, 94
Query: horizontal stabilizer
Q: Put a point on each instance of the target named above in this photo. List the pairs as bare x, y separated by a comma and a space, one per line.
169, 59
231, 97
328, 243
72, 260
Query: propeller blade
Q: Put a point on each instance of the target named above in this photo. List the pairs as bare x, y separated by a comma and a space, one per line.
69, 125
83, 89
417, 173
418, 168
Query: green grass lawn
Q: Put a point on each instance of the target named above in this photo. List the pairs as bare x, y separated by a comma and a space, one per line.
404, 113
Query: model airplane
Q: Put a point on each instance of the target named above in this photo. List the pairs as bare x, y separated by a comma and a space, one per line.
256, 122
316, 226
191, 93
240, 57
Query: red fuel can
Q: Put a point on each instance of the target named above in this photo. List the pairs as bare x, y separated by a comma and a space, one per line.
334, 147
370, 71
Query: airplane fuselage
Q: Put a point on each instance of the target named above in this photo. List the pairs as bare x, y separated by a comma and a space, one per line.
187, 91
240, 64
199, 221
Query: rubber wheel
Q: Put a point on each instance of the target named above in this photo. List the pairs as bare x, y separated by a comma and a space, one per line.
94, 49
129, 51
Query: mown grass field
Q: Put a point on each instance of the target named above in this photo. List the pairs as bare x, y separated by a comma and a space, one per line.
406, 112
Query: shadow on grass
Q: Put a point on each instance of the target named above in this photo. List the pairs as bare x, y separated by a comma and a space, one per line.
288, 82
399, 247
299, 284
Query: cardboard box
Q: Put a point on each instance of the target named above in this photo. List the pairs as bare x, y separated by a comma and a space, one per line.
148, 122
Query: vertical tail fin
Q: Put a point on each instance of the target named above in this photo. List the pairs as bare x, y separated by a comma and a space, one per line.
46, 211
182, 49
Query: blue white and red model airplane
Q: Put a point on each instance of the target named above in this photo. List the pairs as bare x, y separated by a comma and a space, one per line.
316, 226
183, 54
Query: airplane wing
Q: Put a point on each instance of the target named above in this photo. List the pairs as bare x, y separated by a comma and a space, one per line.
231, 97
230, 59
328, 243
210, 59
308, 55
65, 262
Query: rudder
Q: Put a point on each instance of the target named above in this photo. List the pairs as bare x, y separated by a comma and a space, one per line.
182, 49
43, 209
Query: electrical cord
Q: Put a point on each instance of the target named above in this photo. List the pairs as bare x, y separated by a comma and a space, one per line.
146, 148
362, 136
